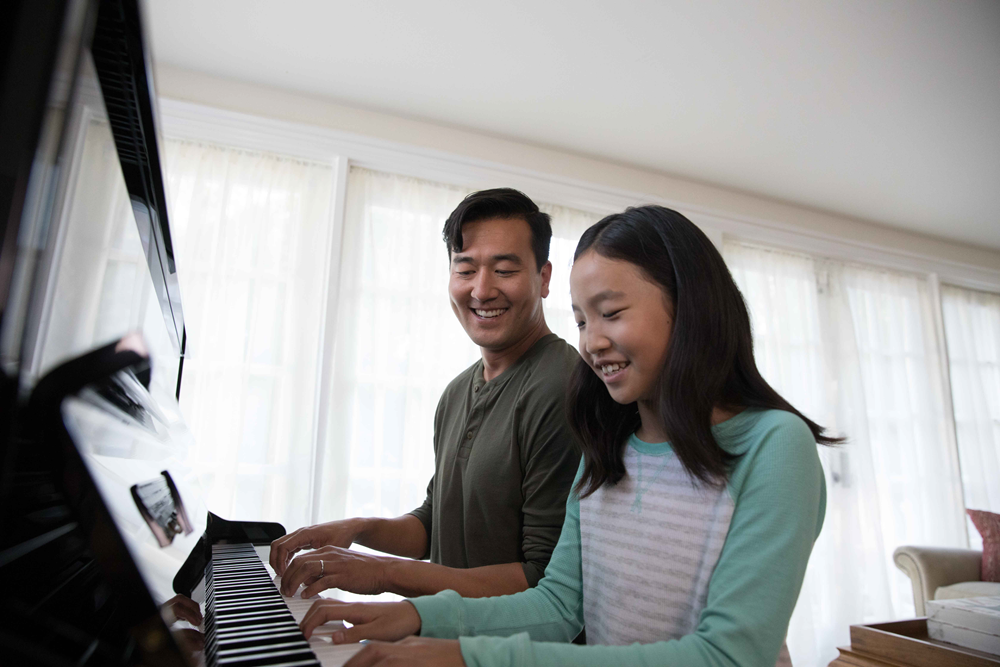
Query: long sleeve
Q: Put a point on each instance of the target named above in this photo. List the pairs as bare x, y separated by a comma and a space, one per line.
551, 611
779, 497
426, 510
550, 458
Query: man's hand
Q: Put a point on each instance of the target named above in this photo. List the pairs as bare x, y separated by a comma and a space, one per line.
334, 567
410, 651
371, 620
334, 533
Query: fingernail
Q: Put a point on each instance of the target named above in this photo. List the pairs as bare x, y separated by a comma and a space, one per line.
338, 637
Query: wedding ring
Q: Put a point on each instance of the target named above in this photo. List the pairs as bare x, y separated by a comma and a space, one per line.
322, 568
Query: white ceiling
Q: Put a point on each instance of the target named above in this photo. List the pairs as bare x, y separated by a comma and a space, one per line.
886, 110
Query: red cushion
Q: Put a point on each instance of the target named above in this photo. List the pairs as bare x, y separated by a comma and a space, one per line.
988, 525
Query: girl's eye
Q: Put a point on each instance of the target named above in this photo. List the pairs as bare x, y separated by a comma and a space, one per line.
608, 316
580, 325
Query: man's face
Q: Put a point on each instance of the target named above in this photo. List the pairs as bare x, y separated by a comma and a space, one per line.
496, 288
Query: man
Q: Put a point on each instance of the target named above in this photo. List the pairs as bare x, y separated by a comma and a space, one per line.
505, 456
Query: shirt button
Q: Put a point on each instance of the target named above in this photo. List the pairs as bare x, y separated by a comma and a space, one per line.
468, 435
475, 389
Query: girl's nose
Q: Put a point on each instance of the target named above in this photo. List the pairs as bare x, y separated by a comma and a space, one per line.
594, 342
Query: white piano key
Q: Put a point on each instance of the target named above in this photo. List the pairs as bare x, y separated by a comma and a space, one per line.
328, 653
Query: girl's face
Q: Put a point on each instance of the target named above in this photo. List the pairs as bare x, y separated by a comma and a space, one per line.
625, 322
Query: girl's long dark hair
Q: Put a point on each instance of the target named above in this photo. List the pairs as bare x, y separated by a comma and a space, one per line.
709, 363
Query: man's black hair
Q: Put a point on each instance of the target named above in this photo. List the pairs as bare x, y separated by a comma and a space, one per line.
500, 203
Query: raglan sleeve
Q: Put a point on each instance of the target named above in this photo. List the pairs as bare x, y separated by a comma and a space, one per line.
780, 502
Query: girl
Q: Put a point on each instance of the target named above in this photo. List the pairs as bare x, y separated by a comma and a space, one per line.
698, 498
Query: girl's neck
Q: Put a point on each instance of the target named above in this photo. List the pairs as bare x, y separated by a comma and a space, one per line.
651, 427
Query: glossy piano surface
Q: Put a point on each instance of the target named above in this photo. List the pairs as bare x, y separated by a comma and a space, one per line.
85, 256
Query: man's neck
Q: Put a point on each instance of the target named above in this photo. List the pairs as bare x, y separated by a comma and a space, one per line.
496, 362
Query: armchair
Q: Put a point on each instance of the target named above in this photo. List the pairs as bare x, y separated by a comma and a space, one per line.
941, 574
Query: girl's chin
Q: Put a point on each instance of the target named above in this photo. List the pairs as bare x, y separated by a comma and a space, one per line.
619, 394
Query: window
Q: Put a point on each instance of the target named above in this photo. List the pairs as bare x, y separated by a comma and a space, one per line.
855, 348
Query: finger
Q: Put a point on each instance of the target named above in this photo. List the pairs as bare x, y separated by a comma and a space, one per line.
184, 608
303, 570
368, 656
188, 610
364, 618
292, 573
356, 633
283, 548
191, 607
319, 585
319, 613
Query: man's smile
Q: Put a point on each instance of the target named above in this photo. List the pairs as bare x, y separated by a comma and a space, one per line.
489, 314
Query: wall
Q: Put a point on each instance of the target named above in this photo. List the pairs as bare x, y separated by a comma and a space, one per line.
749, 209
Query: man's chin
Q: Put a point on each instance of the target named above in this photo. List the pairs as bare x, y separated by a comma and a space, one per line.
490, 342
488, 339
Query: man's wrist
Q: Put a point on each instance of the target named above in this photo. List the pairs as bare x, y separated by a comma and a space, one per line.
361, 528
395, 577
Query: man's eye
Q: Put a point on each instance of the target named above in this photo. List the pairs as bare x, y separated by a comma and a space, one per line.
505, 273
465, 273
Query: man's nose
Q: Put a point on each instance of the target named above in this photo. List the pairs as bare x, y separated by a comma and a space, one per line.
483, 287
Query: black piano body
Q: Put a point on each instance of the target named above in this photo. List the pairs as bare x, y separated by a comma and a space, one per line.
83, 417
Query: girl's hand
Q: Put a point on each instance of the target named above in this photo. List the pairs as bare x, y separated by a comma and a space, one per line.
410, 651
387, 621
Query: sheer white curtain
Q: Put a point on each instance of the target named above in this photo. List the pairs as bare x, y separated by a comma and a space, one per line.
972, 328
855, 349
252, 236
567, 226
398, 343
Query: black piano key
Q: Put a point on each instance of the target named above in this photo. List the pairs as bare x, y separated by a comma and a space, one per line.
247, 623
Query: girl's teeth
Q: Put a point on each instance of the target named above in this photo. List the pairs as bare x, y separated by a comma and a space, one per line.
612, 368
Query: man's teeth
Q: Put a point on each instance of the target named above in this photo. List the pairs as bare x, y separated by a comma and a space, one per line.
608, 369
489, 313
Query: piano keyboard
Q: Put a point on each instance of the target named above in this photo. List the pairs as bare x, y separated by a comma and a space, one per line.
248, 623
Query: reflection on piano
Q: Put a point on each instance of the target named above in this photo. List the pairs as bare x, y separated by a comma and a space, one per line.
97, 450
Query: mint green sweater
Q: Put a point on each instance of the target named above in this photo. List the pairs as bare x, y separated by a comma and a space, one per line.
779, 497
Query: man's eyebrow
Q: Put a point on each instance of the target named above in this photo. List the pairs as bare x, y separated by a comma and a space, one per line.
509, 257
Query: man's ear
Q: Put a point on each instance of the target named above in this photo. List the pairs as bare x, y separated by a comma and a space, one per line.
546, 274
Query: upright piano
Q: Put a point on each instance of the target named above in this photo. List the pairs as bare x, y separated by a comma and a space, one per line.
101, 516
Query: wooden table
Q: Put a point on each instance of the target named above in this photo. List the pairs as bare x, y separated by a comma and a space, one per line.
906, 644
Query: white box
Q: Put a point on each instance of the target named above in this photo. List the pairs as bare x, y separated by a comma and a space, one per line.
970, 622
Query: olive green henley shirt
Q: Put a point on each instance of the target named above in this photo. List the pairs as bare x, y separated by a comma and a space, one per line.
505, 459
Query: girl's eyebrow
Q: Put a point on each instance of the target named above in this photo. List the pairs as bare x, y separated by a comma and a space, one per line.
606, 295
